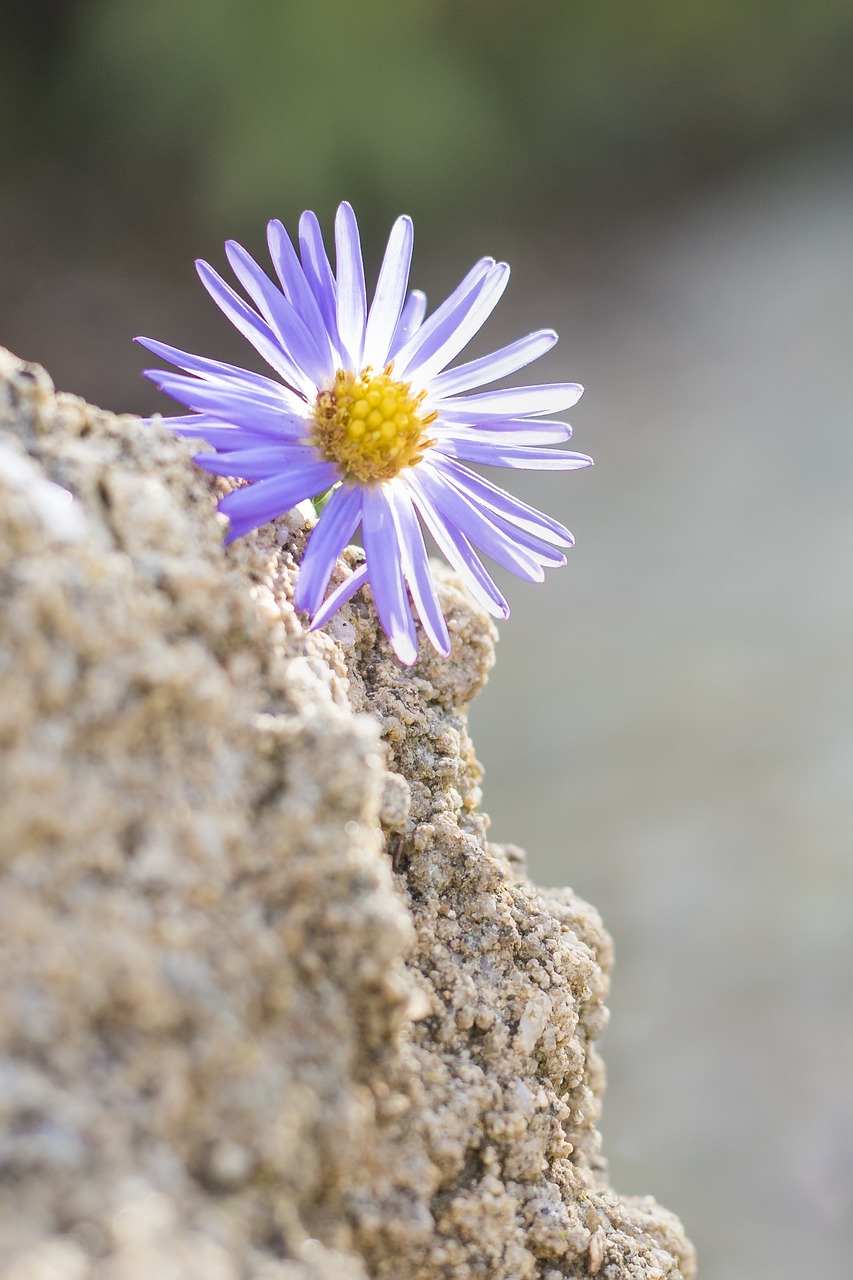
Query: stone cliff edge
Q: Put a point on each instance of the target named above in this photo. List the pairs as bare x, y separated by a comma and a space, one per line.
272, 1006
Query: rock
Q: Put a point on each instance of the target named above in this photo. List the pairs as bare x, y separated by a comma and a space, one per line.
273, 1007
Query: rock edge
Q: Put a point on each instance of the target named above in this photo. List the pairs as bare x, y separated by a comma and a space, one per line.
274, 1006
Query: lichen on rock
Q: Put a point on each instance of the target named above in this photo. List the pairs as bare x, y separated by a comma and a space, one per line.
273, 1006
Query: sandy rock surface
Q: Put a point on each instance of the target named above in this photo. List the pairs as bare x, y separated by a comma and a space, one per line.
272, 1006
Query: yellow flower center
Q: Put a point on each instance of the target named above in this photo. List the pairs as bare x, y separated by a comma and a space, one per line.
371, 424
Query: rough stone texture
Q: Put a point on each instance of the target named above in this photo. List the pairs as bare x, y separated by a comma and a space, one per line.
272, 1006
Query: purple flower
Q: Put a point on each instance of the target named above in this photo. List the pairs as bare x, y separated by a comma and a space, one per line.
367, 408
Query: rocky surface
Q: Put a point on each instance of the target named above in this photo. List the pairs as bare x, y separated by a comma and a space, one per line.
273, 1007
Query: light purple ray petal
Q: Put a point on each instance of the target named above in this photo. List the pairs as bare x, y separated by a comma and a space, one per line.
295, 337
257, 463
339, 596
411, 319
219, 371
457, 330
497, 454
352, 295
191, 424
257, 503
501, 431
338, 522
218, 434
385, 570
230, 404
509, 359
390, 294
541, 551
457, 508
253, 328
512, 402
416, 567
482, 491
318, 272
297, 289
459, 298
458, 551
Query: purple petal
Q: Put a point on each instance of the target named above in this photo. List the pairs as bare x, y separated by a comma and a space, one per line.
257, 463
542, 552
496, 454
295, 337
337, 523
390, 293
297, 289
411, 319
482, 491
473, 281
352, 296
458, 328
257, 503
512, 402
416, 568
218, 371
477, 373
230, 404
501, 431
253, 328
318, 272
385, 570
457, 509
219, 435
339, 596
458, 551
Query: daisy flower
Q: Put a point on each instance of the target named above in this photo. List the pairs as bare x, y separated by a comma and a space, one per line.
367, 412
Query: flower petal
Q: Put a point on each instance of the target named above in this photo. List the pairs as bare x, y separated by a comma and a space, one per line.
459, 327
230, 404
219, 371
451, 328
337, 523
407, 355
253, 328
218, 434
458, 550
457, 509
318, 272
548, 397
257, 503
509, 359
411, 319
297, 289
482, 491
385, 570
295, 337
390, 294
352, 295
496, 454
416, 567
543, 552
339, 596
258, 463
501, 431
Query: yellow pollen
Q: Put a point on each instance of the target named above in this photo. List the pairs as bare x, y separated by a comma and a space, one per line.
371, 424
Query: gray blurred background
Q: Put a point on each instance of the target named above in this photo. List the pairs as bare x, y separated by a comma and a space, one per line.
669, 727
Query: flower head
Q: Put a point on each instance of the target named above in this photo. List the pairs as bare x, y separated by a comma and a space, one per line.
367, 408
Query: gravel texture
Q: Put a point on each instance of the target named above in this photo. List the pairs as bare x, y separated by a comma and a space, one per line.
272, 1007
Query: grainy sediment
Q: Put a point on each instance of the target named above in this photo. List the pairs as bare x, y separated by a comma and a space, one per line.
272, 1005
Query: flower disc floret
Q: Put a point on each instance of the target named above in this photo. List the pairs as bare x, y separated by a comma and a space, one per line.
371, 424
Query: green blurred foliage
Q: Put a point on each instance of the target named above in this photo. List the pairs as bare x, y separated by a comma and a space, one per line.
246, 107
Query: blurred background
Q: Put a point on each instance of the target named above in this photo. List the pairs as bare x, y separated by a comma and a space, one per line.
669, 727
